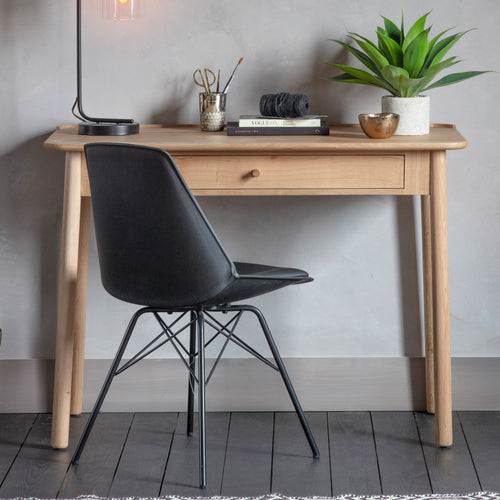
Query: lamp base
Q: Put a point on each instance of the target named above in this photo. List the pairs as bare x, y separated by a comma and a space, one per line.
92, 128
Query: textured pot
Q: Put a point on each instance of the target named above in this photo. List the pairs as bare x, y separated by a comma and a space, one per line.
414, 113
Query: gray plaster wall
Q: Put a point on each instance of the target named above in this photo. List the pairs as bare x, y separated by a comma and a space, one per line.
363, 251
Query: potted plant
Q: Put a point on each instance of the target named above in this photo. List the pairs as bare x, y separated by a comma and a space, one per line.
405, 65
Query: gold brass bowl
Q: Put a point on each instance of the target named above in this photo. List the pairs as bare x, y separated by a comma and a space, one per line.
379, 125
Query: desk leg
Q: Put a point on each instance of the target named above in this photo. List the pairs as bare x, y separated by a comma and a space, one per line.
428, 320
66, 301
441, 299
80, 308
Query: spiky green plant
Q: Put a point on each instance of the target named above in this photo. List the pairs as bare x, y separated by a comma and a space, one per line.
403, 64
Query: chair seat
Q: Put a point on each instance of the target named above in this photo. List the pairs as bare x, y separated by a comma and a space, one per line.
252, 280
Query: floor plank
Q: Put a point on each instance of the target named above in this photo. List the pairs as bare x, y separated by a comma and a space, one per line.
482, 431
399, 452
142, 464
451, 469
295, 471
13, 431
251, 454
247, 470
354, 466
182, 471
39, 470
94, 473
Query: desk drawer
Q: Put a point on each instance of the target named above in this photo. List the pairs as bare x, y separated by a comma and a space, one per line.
273, 174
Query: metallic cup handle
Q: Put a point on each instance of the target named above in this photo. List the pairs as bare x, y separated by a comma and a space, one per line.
212, 111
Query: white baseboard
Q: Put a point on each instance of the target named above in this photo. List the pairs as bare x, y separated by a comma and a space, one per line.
333, 384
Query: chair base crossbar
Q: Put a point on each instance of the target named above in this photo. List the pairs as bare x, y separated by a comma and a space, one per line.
198, 320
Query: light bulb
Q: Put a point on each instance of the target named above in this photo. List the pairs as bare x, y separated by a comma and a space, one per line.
121, 10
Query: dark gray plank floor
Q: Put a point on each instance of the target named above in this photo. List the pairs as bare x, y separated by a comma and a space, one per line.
149, 454
295, 471
353, 455
400, 457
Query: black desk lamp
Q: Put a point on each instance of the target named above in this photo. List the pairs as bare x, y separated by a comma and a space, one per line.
100, 126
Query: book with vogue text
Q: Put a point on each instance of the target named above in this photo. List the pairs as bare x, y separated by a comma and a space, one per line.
275, 121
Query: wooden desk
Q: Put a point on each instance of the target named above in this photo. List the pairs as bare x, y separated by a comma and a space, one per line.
346, 162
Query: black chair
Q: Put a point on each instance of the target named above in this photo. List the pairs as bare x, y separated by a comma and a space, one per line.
157, 249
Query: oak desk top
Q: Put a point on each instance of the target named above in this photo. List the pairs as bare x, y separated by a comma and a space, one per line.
190, 140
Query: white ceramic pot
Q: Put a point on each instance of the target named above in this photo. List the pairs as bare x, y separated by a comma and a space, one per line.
414, 113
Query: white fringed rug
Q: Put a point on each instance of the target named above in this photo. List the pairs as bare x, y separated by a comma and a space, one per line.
484, 495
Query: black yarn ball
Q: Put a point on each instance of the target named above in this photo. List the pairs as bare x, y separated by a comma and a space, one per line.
284, 105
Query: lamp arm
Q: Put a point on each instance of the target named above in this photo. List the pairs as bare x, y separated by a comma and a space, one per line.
78, 101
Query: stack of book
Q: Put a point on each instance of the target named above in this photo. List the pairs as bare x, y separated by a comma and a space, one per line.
272, 125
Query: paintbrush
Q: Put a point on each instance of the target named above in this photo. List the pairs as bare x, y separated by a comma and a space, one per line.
231, 77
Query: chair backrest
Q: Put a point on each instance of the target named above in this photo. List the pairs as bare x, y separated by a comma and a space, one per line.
155, 245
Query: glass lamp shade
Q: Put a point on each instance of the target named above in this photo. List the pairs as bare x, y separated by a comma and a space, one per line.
121, 10
113, 9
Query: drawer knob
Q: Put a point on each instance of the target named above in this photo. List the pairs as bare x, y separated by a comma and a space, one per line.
255, 172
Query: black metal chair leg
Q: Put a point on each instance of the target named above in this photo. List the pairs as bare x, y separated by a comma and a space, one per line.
106, 385
191, 382
286, 379
201, 399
